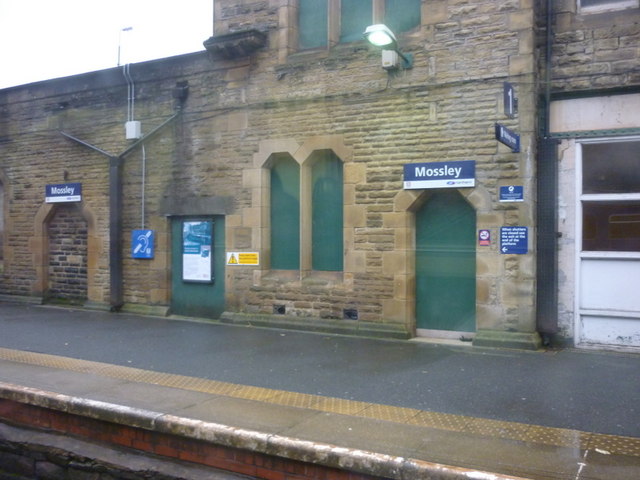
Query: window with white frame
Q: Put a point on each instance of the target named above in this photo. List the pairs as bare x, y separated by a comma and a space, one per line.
597, 6
324, 23
611, 196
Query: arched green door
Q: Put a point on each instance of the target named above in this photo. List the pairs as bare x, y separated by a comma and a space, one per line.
446, 263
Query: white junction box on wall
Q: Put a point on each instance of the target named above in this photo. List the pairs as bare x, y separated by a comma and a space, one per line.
133, 130
390, 59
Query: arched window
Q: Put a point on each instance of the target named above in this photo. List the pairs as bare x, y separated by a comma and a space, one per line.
306, 212
285, 213
327, 216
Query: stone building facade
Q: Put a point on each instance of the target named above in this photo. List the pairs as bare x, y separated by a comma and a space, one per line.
594, 118
291, 159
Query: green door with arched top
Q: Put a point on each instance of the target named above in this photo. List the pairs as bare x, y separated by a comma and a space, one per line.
446, 263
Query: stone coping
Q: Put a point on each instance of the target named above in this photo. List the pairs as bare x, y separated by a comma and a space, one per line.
328, 455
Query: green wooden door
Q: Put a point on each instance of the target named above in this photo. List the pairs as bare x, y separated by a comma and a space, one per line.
446, 264
197, 266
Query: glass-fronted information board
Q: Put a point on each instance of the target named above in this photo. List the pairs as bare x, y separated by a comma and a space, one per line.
196, 251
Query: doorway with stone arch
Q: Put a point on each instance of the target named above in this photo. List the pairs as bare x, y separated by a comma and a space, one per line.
64, 250
67, 268
445, 265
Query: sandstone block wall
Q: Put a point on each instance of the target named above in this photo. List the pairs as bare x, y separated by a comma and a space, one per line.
594, 50
204, 162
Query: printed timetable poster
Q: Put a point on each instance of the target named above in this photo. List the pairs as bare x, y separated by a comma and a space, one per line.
196, 251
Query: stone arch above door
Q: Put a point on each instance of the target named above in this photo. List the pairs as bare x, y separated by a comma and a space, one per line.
406, 202
39, 247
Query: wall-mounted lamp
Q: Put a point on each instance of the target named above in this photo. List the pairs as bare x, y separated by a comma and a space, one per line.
381, 36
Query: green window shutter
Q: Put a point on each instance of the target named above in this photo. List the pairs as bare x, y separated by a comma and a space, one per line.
285, 214
312, 24
327, 222
355, 16
402, 15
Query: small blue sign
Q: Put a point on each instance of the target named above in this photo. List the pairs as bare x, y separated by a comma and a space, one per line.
142, 244
65, 192
514, 240
510, 100
510, 138
512, 193
457, 174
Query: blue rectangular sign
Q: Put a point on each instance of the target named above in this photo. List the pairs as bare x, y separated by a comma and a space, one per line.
512, 193
440, 175
508, 137
142, 244
514, 240
65, 192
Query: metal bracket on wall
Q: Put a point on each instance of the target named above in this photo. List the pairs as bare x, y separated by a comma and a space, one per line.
115, 209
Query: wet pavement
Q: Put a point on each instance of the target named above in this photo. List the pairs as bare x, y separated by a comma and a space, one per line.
554, 414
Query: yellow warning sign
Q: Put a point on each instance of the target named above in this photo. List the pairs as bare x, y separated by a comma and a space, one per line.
243, 258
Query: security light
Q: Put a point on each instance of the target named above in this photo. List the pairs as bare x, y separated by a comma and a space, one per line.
380, 35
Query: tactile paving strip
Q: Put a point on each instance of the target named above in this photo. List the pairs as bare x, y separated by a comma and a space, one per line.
607, 444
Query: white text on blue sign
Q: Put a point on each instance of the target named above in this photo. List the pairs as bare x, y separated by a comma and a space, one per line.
510, 138
514, 240
440, 175
66, 192
512, 193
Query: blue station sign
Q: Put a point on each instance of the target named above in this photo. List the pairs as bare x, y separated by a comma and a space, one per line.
512, 193
510, 138
514, 240
457, 174
65, 192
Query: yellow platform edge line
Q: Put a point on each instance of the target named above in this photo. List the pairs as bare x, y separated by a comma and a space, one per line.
558, 437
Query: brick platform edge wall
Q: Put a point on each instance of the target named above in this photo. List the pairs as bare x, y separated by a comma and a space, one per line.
225, 449
33, 458
28, 454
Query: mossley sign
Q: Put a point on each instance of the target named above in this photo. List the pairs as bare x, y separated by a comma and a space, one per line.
66, 192
440, 175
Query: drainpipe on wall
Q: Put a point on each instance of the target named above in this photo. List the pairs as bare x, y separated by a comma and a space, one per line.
546, 211
115, 232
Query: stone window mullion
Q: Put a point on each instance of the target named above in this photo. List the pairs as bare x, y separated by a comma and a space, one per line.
305, 219
378, 11
334, 22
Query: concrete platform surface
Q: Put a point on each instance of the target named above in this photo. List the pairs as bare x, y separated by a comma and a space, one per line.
542, 415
